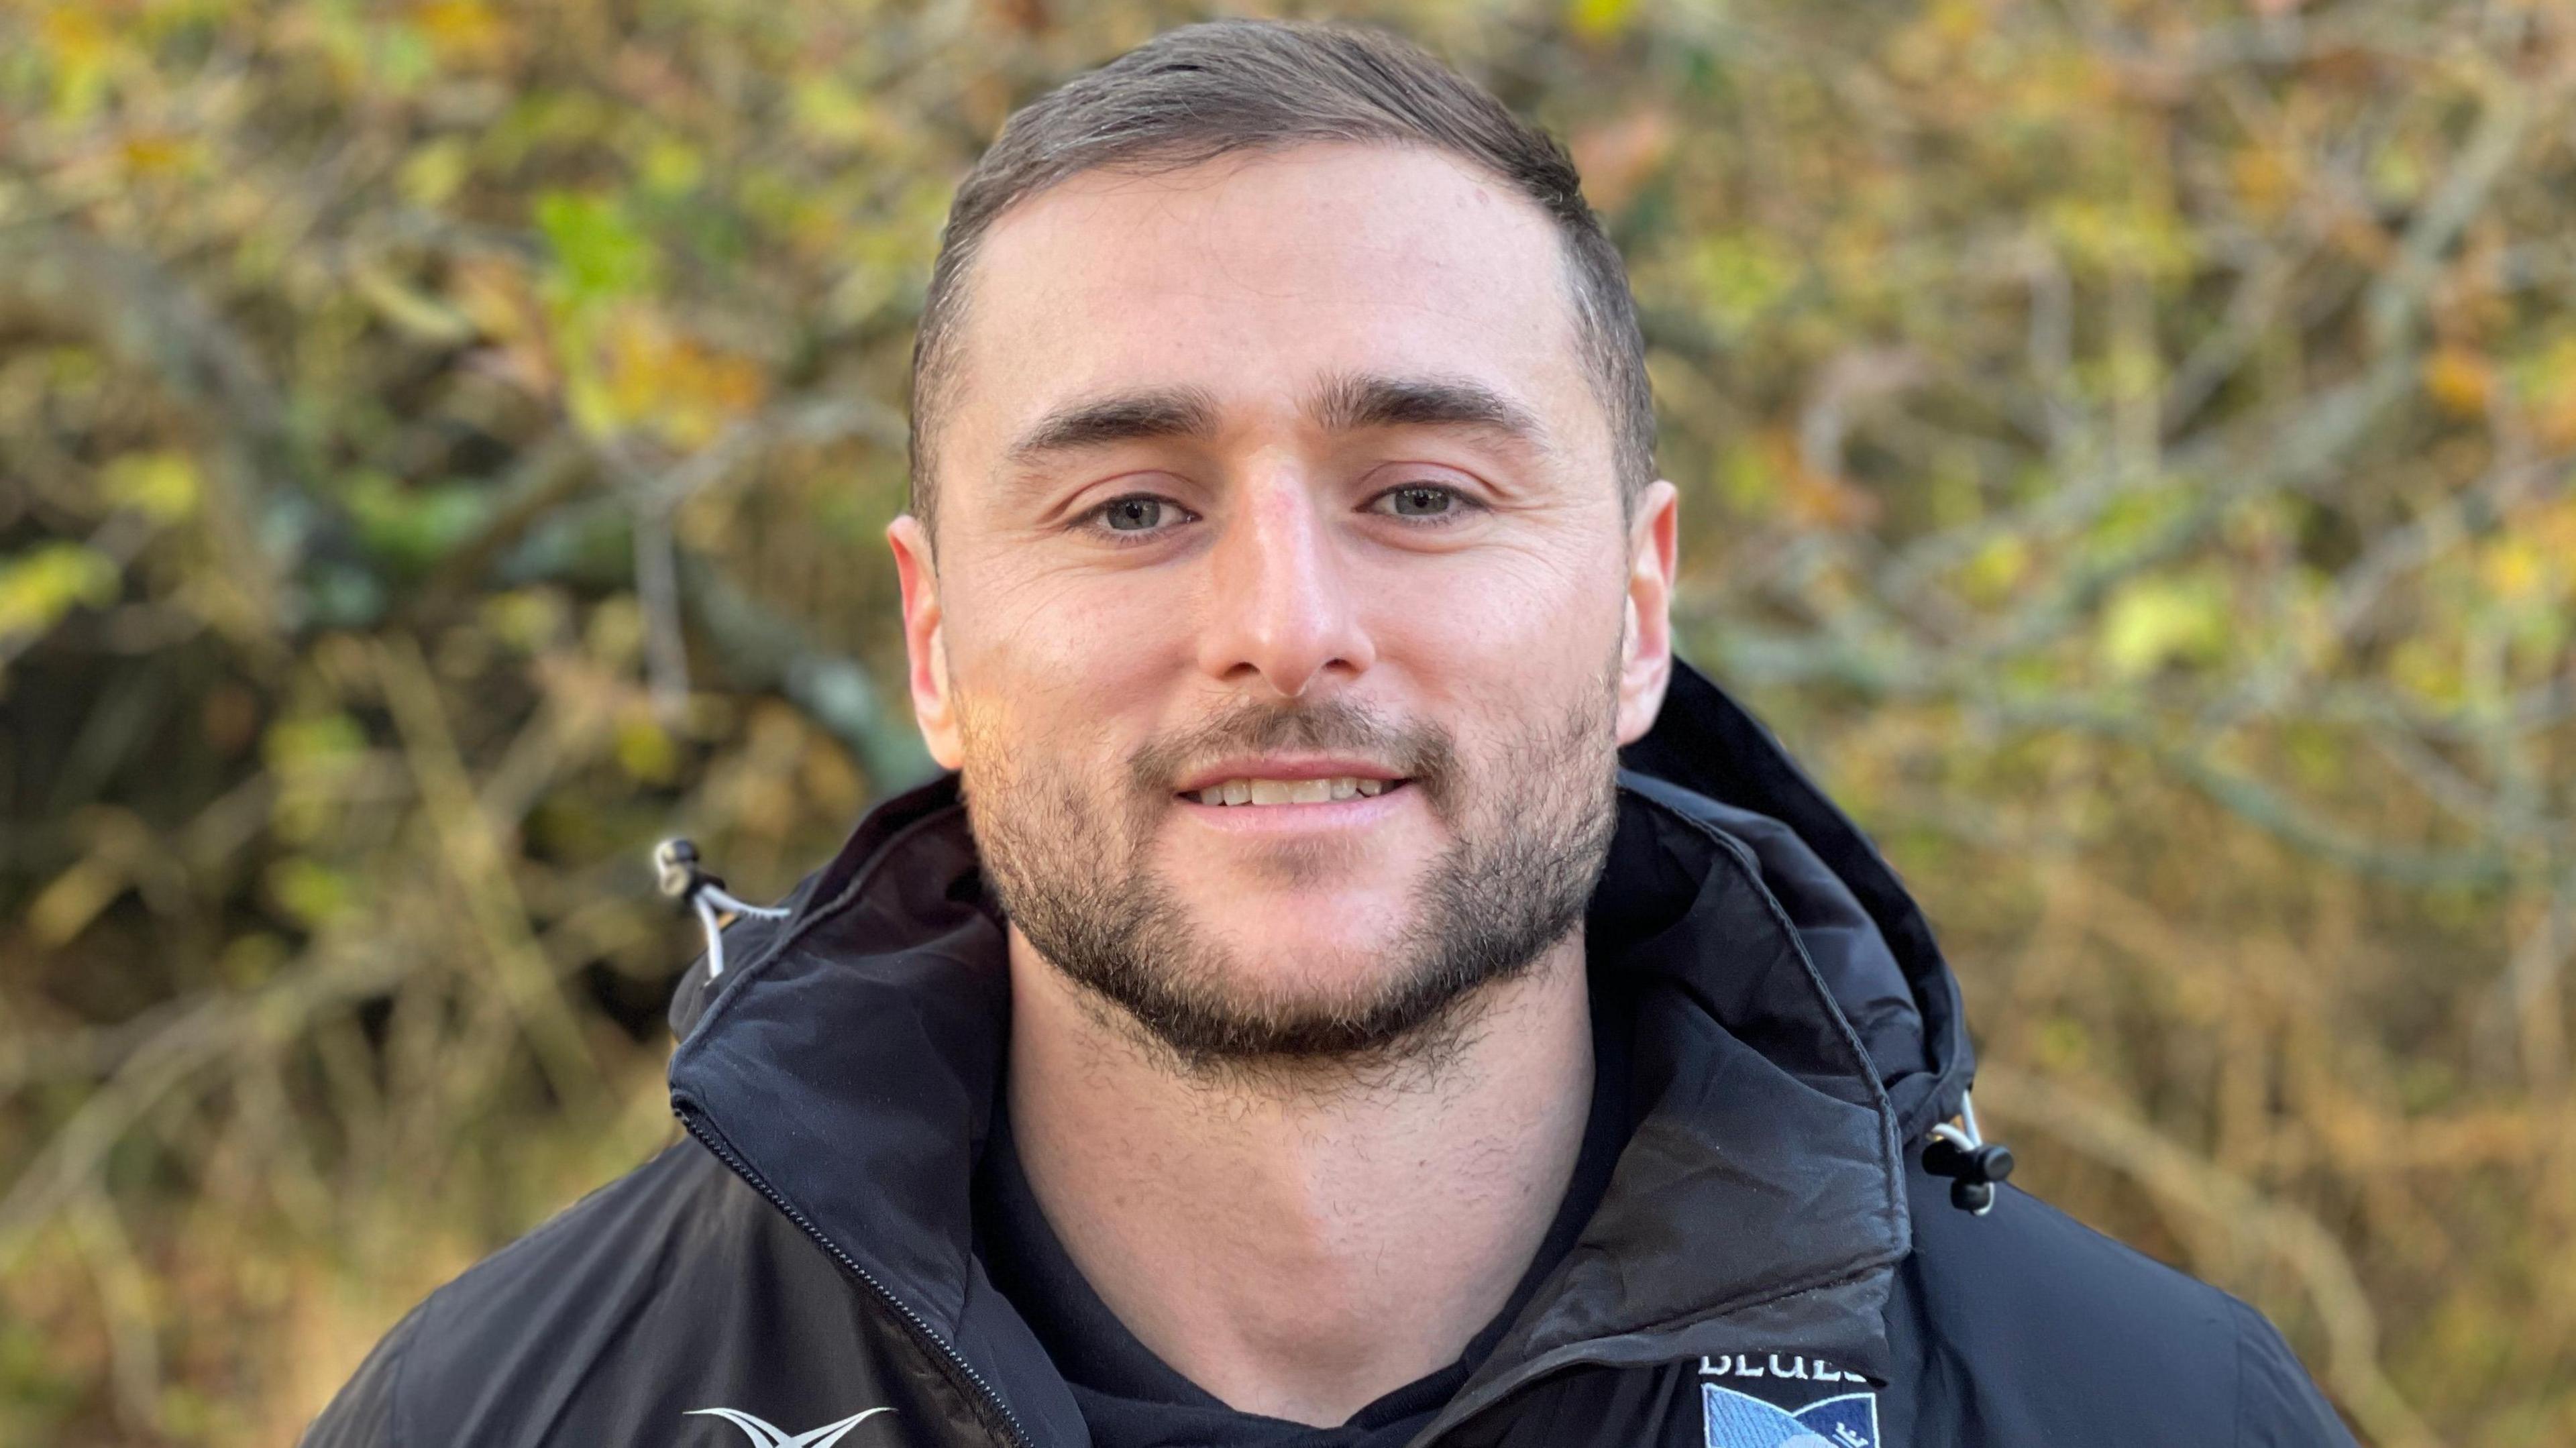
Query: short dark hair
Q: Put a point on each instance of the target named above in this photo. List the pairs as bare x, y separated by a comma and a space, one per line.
1204, 91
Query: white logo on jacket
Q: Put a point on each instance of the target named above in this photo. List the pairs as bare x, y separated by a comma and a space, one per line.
763, 1435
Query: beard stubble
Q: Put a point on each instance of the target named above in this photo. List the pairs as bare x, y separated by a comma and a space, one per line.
1529, 835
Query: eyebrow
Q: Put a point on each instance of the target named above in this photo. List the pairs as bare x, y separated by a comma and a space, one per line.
1363, 400
1189, 412
1348, 403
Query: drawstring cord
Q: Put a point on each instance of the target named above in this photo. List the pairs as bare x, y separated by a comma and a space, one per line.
1973, 1164
675, 867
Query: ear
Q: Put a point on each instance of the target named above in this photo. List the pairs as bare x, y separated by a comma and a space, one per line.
1646, 649
934, 706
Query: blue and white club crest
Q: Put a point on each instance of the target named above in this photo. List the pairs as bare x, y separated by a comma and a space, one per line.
1736, 1420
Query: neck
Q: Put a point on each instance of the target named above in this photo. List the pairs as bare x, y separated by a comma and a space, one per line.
1300, 1244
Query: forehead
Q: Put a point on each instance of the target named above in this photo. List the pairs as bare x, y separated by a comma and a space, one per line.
1254, 276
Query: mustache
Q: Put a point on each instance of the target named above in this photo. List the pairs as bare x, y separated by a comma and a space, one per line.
1421, 751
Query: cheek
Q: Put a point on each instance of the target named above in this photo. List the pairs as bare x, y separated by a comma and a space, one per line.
1058, 659
1505, 631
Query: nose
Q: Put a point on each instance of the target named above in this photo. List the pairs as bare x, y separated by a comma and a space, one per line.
1280, 602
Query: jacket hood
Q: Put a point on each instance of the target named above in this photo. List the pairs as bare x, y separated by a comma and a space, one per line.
1897, 988
1795, 1028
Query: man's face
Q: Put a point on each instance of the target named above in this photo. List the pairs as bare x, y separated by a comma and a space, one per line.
1284, 619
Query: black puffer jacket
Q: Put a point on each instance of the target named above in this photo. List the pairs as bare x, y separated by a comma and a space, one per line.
1770, 1266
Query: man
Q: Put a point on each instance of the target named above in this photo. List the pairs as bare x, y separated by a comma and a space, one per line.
1357, 988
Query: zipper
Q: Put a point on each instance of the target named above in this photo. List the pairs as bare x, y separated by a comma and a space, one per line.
1015, 1434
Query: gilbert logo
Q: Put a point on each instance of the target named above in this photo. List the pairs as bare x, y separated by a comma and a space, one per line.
765, 1436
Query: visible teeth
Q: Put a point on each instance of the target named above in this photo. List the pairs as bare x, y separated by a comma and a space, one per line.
1290, 791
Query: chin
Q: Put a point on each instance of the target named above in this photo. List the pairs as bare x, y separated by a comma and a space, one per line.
1304, 946
1259, 918
1298, 965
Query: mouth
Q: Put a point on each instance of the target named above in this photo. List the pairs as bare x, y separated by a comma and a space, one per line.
1254, 792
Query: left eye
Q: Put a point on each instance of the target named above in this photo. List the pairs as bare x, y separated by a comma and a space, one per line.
1133, 515
1419, 500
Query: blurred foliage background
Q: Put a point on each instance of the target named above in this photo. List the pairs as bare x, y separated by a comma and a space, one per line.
444, 447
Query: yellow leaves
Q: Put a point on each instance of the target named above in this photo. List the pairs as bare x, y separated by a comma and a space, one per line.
825, 110
1765, 477
671, 168
2155, 621
2266, 179
2397, 173
1741, 274
162, 486
253, 958
1599, 20
2531, 562
645, 750
151, 155
2498, 611
302, 744
2466, 382
464, 32
1995, 570
308, 890
2428, 671
76, 36
2459, 379
44, 583
2141, 238
433, 173
2514, 570
1957, 22
527, 620
589, 329
646, 375
2545, 383
313, 757
2551, 528
74, 898
410, 311
85, 54
614, 633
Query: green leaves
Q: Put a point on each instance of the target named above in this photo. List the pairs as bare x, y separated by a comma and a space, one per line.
412, 527
598, 254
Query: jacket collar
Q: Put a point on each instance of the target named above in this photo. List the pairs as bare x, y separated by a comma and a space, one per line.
1795, 1027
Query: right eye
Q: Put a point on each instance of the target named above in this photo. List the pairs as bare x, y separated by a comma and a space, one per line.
1132, 515
1137, 517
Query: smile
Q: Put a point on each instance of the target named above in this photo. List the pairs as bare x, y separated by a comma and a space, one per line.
1292, 791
